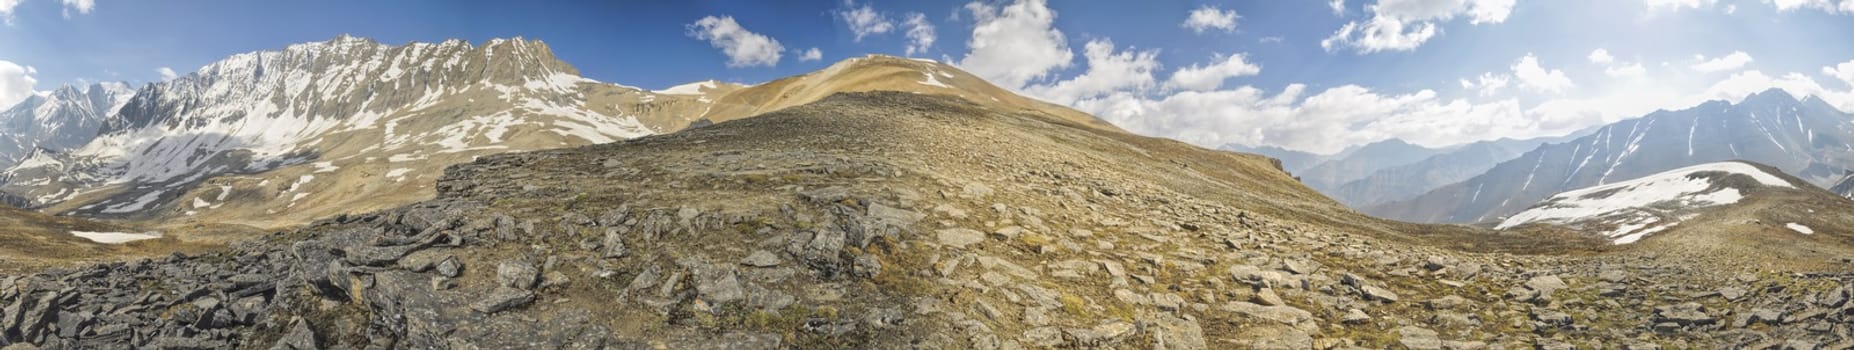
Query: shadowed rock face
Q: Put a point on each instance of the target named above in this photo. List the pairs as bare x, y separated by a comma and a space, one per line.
889, 220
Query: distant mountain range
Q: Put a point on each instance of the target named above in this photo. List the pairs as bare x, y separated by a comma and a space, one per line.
58, 120
1805, 137
1392, 170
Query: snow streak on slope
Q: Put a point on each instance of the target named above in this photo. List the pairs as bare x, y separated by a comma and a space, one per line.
1636, 208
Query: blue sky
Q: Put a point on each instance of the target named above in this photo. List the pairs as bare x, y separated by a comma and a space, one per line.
1281, 73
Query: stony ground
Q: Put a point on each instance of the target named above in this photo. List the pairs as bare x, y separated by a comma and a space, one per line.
891, 220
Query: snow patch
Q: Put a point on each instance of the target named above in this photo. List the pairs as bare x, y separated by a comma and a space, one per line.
933, 81
115, 237
694, 88
1799, 228
1631, 210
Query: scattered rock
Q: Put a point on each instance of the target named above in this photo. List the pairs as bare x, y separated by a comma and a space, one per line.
1287, 315
1378, 294
1355, 316
450, 267
959, 237
1418, 338
517, 274
503, 298
761, 258
1173, 333
1684, 314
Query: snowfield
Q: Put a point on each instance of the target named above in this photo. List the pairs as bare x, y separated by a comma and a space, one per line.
115, 237
1635, 208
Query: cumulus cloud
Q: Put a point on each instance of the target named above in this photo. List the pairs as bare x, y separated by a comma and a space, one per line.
1324, 122
1338, 7
1016, 44
1843, 71
920, 33
1830, 6
1601, 56
1672, 5
1211, 76
81, 6
743, 48
1626, 70
864, 21
810, 55
1532, 76
167, 73
1487, 84
16, 83
1109, 70
6, 10
1616, 68
1403, 25
1209, 17
1730, 62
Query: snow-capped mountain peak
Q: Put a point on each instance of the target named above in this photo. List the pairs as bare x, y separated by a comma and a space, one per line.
59, 119
1627, 211
366, 113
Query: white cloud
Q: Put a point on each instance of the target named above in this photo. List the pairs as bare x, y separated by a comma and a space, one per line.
81, 6
865, 21
1532, 76
1338, 7
1016, 44
1211, 77
1209, 17
1325, 122
810, 55
167, 73
1381, 34
1487, 84
1843, 71
1674, 5
1489, 11
1108, 71
920, 33
1626, 70
16, 83
1402, 25
1730, 62
1601, 56
743, 48
1615, 68
6, 10
1830, 6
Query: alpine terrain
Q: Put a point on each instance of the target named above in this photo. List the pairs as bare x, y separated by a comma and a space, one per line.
1805, 137
350, 194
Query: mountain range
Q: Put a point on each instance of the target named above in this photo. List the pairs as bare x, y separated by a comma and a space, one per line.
1803, 137
277, 138
1393, 170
